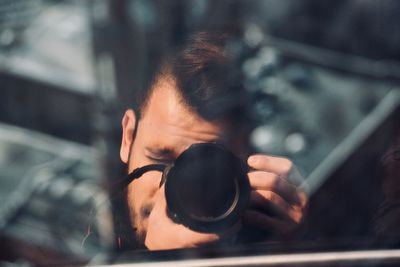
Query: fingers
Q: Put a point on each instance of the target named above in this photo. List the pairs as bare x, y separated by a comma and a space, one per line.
278, 165
278, 201
290, 185
260, 180
272, 205
283, 167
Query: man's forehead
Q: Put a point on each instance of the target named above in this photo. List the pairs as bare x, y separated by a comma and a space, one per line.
163, 94
168, 118
166, 104
175, 123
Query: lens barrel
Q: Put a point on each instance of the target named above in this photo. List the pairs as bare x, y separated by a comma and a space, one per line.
207, 188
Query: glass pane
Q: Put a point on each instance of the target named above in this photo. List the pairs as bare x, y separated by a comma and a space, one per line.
136, 130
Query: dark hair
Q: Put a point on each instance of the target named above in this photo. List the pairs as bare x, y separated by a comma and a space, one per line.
205, 76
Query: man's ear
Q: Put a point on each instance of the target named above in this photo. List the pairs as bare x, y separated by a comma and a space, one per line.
128, 127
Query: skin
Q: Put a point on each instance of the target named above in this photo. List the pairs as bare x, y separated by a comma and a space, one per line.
168, 127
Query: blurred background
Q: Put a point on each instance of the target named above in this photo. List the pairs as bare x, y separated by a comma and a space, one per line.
324, 76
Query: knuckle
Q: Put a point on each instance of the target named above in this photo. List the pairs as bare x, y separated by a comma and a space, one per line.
287, 165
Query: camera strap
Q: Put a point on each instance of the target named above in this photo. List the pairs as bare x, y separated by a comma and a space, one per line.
138, 172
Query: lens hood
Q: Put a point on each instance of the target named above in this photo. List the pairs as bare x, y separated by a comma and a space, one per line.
207, 188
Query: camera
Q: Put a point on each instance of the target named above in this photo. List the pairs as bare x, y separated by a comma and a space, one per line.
206, 188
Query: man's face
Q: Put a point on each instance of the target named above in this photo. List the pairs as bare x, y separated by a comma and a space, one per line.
166, 129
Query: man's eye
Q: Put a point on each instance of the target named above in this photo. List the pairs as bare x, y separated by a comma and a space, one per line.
160, 160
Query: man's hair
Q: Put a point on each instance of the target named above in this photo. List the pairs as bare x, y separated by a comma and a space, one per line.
205, 76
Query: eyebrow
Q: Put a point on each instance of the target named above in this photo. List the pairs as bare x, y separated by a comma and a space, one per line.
167, 152
160, 151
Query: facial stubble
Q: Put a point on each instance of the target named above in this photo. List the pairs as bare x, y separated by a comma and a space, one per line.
137, 218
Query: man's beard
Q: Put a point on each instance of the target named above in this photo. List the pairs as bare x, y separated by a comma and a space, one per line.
137, 217
137, 222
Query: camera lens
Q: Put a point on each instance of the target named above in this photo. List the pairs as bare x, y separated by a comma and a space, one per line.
207, 188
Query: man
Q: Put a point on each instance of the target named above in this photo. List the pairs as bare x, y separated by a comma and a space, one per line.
192, 100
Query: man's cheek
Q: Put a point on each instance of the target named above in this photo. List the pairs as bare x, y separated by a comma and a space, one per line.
133, 204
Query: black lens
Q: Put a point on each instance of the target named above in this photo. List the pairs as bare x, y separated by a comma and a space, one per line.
208, 188
205, 185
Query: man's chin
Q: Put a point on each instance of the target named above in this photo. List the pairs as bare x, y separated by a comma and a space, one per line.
141, 237
140, 232
139, 223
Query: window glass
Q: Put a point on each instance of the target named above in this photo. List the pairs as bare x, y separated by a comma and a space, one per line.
137, 130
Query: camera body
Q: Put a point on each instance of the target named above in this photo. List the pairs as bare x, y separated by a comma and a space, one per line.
207, 188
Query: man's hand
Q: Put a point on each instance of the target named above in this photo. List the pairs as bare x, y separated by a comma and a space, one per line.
277, 205
277, 202
163, 233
